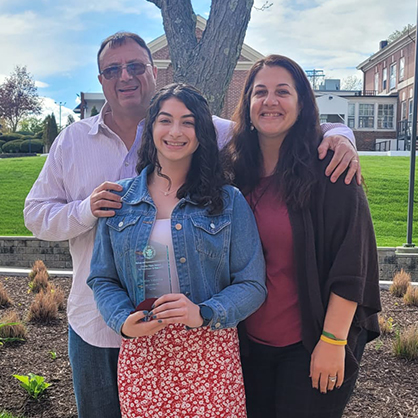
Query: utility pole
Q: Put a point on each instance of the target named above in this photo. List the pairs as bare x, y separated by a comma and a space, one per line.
60, 104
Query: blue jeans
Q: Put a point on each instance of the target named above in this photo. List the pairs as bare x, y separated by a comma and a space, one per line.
94, 378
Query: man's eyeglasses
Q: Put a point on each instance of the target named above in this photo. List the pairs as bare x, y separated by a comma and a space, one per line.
133, 69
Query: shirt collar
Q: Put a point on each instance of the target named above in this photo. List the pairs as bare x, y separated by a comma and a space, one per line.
99, 122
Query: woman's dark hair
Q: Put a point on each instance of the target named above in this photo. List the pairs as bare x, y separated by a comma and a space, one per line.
294, 176
205, 178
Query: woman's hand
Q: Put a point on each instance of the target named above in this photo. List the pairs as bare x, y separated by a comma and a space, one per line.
327, 362
137, 325
175, 308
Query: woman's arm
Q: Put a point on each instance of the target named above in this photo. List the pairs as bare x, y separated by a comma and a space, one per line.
328, 360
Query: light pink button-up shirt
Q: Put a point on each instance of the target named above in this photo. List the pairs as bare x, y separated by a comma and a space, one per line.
83, 156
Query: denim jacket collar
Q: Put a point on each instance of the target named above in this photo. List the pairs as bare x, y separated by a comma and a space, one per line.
138, 190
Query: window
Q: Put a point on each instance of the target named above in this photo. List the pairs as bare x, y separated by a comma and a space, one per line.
392, 75
401, 68
366, 116
410, 108
376, 82
350, 119
385, 116
403, 110
384, 78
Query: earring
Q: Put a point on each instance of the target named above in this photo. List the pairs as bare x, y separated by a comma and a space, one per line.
251, 126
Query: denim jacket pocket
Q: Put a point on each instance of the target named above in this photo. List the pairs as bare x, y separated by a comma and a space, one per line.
211, 234
120, 222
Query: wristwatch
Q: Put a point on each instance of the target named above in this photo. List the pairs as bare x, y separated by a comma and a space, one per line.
207, 314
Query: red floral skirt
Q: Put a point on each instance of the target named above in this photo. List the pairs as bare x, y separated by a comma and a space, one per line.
182, 373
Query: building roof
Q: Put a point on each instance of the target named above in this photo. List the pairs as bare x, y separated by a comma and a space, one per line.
388, 50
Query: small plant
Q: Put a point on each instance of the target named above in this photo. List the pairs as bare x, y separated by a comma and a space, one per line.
53, 355
5, 414
400, 284
5, 301
406, 343
39, 282
11, 329
33, 384
58, 295
38, 266
386, 325
378, 344
43, 308
411, 296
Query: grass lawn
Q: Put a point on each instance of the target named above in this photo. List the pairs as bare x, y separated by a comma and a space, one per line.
386, 179
16, 178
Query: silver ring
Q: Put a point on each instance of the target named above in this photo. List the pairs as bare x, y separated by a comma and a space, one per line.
332, 378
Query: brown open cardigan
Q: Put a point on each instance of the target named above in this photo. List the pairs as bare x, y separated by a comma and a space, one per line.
335, 251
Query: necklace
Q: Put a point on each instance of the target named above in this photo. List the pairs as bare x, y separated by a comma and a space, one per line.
166, 193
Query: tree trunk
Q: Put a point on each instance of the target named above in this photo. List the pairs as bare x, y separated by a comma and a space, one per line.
208, 63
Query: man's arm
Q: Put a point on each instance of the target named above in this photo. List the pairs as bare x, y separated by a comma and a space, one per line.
341, 140
51, 215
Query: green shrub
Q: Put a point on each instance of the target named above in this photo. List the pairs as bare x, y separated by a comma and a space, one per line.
1, 144
12, 146
39, 135
35, 146
24, 133
11, 137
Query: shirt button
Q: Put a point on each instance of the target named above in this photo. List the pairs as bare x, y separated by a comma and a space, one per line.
212, 225
217, 325
178, 227
182, 260
120, 224
126, 163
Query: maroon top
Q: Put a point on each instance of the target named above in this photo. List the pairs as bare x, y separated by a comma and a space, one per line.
277, 322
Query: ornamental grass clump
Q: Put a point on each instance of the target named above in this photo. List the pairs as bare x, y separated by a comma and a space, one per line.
58, 295
386, 325
11, 328
406, 343
38, 266
5, 301
400, 284
44, 308
39, 282
411, 296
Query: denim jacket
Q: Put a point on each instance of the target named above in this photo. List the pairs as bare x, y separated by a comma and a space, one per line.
219, 258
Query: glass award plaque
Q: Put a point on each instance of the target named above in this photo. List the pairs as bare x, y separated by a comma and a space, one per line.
154, 265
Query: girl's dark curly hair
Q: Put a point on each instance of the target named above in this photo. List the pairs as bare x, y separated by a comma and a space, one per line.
294, 175
205, 178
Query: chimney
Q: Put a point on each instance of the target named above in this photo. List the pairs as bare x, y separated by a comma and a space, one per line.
382, 44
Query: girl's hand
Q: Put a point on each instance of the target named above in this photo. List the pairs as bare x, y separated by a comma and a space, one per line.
327, 361
136, 325
175, 308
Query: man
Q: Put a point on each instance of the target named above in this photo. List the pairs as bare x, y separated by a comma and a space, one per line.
75, 188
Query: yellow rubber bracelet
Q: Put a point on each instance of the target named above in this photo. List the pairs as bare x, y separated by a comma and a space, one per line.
333, 342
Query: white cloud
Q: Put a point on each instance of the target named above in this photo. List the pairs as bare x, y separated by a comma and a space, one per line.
41, 84
50, 106
332, 35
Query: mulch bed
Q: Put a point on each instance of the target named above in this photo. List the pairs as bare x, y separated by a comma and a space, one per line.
387, 386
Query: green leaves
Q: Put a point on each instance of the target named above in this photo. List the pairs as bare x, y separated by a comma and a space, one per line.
33, 384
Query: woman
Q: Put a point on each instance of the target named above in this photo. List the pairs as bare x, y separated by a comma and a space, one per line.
187, 245
319, 246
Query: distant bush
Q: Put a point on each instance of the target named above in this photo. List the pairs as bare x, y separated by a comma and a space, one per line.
24, 133
12, 146
1, 144
11, 137
35, 146
39, 135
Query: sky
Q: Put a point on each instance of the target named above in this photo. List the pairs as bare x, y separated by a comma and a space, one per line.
58, 40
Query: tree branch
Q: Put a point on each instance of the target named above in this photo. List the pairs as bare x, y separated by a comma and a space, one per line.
158, 3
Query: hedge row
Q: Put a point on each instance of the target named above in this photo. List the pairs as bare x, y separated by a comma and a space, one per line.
20, 145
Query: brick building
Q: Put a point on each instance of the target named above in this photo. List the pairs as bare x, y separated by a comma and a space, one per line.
161, 57
390, 73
